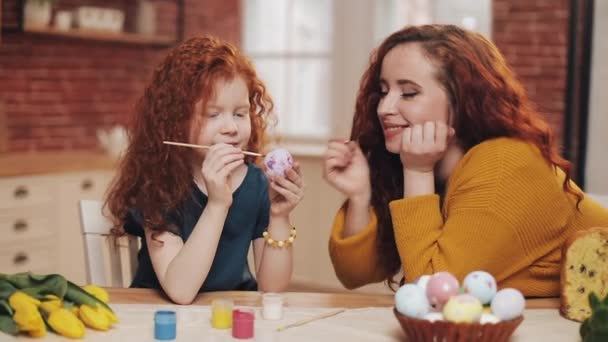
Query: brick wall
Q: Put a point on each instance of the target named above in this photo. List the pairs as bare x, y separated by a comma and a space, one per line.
533, 36
58, 91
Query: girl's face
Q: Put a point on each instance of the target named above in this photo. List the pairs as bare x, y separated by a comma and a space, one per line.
225, 119
410, 93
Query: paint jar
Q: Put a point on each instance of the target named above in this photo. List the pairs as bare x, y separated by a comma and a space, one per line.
164, 325
221, 313
272, 306
242, 323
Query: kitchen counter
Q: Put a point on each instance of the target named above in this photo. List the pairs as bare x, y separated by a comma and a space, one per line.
35, 163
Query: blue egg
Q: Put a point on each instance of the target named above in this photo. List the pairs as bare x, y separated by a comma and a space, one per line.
508, 304
480, 284
411, 301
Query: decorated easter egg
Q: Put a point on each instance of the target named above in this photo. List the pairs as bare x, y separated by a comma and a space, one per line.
411, 301
508, 303
277, 162
433, 316
423, 281
463, 308
480, 284
488, 318
440, 288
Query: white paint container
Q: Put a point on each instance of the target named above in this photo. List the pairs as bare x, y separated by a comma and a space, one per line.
272, 306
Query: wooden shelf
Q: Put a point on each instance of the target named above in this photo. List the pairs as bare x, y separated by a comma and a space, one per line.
120, 37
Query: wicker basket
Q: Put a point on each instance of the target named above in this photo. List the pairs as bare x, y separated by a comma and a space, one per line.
418, 330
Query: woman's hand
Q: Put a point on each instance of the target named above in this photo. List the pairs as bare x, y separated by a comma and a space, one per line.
286, 192
422, 146
220, 161
346, 169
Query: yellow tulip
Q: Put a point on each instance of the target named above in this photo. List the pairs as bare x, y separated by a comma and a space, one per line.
19, 299
51, 305
111, 316
94, 317
97, 292
38, 333
65, 323
27, 318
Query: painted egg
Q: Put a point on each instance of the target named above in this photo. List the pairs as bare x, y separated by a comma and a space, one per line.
277, 162
488, 318
440, 288
411, 301
423, 281
434, 316
463, 308
508, 303
480, 284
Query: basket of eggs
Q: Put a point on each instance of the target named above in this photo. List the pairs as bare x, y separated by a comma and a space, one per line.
436, 308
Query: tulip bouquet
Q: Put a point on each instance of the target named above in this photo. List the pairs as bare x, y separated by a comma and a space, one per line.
31, 303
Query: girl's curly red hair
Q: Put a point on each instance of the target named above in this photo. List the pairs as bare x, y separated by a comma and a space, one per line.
485, 97
155, 178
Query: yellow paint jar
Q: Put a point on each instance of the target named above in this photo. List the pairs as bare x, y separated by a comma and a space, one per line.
221, 313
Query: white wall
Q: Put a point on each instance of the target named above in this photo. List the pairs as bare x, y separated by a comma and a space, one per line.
596, 169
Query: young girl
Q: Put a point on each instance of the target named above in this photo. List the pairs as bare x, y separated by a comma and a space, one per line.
197, 210
465, 174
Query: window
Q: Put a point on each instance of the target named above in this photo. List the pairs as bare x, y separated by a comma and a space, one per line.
312, 53
290, 42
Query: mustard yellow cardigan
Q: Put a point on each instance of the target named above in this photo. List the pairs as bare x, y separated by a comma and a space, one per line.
504, 212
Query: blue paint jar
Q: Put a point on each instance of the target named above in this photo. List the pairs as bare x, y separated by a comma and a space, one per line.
164, 325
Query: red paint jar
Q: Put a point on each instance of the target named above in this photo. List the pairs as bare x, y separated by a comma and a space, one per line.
242, 323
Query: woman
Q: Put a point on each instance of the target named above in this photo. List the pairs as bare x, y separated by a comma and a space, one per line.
465, 173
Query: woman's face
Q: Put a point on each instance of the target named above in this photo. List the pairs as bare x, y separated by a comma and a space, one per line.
410, 93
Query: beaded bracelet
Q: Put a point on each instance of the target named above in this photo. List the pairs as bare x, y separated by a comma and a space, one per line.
280, 243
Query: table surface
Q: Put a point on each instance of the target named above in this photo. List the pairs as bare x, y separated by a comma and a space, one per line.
367, 318
296, 299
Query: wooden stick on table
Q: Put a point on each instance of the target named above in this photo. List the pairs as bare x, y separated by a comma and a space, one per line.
206, 147
311, 319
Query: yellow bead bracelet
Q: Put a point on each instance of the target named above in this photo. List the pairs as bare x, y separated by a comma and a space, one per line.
280, 243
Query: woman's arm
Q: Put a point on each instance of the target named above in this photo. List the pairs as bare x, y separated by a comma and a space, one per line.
181, 268
355, 257
504, 209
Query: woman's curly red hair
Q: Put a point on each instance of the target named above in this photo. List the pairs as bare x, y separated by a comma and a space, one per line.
155, 178
485, 97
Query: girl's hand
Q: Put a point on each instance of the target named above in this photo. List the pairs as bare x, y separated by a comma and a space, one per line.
286, 192
220, 161
346, 169
422, 146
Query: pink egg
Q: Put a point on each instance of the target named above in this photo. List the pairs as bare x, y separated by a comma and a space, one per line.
441, 287
277, 162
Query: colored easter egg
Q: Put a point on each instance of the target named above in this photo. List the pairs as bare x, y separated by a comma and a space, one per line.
423, 281
433, 316
480, 284
441, 287
508, 304
411, 301
278, 162
488, 318
463, 308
